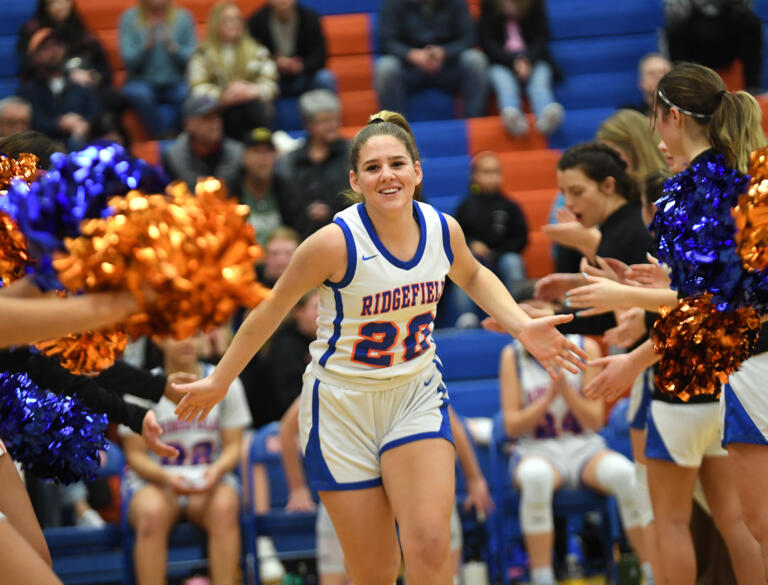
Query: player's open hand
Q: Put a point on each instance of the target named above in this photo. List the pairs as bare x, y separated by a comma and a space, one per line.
599, 295
617, 377
550, 347
151, 431
201, 397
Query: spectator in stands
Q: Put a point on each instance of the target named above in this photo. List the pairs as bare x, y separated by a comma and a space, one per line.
429, 43
651, 68
556, 444
86, 61
256, 377
15, 115
293, 35
61, 109
273, 198
514, 34
202, 150
715, 33
199, 485
319, 167
156, 41
495, 228
235, 69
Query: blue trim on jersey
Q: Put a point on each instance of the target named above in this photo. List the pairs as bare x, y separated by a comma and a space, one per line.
336, 327
444, 433
380, 245
640, 419
318, 473
351, 256
446, 237
654, 444
738, 426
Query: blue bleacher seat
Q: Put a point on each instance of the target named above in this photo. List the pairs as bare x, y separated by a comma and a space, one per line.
287, 115
598, 90
342, 6
441, 138
761, 9
445, 176
475, 398
15, 14
469, 354
579, 126
603, 54
447, 204
430, 104
9, 65
8, 86
594, 18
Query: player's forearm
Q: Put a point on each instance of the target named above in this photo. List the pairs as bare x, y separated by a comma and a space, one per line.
253, 333
650, 299
520, 422
146, 467
588, 412
24, 321
643, 356
228, 459
464, 451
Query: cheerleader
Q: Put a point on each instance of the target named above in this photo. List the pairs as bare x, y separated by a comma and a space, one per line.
709, 127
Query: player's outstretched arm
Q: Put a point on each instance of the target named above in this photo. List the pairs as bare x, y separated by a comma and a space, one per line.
539, 336
620, 371
321, 257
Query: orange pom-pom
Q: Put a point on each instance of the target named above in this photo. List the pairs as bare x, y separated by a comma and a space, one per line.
24, 167
13, 247
700, 345
751, 215
188, 259
89, 352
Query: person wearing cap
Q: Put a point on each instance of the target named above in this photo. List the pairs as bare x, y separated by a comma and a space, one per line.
202, 150
273, 198
61, 109
156, 40
319, 167
293, 35
236, 69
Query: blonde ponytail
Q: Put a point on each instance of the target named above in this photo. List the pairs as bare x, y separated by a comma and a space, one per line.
735, 129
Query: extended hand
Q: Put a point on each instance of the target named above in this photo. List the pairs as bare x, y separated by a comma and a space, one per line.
550, 347
614, 380
599, 296
201, 397
630, 329
151, 431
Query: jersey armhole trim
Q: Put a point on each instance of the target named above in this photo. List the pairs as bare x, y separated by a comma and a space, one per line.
351, 256
446, 237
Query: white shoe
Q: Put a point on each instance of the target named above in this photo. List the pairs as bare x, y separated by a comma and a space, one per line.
514, 121
91, 519
550, 119
271, 570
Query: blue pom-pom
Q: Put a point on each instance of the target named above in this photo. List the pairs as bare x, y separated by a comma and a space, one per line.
76, 187
52, 436
695, 232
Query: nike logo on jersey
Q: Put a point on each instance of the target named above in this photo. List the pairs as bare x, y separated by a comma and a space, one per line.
368, 257
429, 381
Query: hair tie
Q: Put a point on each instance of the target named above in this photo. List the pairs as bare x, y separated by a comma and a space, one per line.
666, 100
375, 121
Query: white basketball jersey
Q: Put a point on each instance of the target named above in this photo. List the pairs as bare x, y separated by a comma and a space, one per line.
534, 382
375, 326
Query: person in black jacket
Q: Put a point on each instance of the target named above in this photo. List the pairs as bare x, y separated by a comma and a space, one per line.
494, 226
293, 35
514, 34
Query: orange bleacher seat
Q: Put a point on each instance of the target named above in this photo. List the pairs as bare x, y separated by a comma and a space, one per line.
102, 14
488, 134
135, 127
347, 34
527, 170
538, 255
110, 41
357, 106
354, 72
536, 204
733, 76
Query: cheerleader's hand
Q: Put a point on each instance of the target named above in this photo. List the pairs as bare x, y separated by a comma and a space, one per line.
201, 397
651, 275
599, 295
550, 347
617, 377
151, 431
